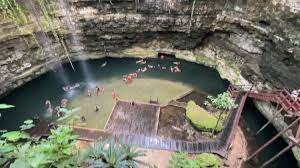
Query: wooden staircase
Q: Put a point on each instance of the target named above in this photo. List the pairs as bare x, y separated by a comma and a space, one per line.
281, 96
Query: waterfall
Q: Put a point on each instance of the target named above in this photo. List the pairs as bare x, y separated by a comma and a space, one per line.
75, 42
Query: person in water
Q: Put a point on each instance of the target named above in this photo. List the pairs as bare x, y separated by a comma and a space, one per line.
48, 104
102, 89
89, 92
82, 119
57, 111
98, 91
96, 109
49, 107
114, 95
63, 103
66, 88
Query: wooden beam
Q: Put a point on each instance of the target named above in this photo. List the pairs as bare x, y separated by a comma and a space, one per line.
273, 139
264, 126
278, 154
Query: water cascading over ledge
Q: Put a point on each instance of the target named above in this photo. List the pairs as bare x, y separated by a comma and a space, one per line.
246, 41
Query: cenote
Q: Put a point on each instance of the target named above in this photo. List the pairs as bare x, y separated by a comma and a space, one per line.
156, 83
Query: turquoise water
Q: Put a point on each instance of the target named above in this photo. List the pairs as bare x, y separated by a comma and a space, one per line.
30, 98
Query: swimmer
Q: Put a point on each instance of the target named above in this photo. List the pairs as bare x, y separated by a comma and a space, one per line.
82, 119
48, 104
104, 64
176, 69
150, 66
66, 88
96, 109
162, 56
144, 69
97, 91
102, 89
76, 85
133, 75
63, 103
114, 95
172, 69
176, 63
57, 111
129, 79
51, 125
139, 61
89, 92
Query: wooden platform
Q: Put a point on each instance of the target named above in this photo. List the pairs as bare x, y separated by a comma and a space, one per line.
41, 129
144, 136
198, 97
138, 119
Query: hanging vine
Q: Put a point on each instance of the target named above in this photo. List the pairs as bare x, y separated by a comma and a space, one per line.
137, 4
10, 9
56, 34
192, 14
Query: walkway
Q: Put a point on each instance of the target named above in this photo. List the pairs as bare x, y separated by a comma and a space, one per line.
280, 96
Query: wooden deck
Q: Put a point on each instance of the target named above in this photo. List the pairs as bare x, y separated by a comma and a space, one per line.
135, 137
139, 119
41, 129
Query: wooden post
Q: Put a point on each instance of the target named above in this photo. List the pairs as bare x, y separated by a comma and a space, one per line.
213, 132
192, 14
278, 154
273, 139
264, 126
298, 132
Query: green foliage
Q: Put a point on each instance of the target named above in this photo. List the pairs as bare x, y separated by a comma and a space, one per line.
204, 160
12, 10
28, 124
208, 160
6, 106
202, 119
14, 136
223, 101
58, 150
113, 155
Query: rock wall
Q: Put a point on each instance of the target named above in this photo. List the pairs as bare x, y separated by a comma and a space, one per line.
245, 40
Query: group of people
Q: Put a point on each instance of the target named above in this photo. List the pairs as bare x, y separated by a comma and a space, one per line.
175, 67
296, 94
57, 110
69, 87
98, 91
129, 78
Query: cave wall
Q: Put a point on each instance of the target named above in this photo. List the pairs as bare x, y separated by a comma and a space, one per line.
259, 38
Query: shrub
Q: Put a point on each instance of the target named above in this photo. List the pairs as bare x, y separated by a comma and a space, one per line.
58, 150
202, 119
204, 160
113, 155
223, 101
208, 160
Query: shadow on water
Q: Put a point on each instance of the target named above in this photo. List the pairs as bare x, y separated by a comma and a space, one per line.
252, 120
30, 98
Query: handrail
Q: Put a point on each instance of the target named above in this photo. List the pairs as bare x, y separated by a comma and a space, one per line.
281, 96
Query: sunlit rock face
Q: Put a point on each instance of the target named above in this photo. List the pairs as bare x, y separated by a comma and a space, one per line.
261, 39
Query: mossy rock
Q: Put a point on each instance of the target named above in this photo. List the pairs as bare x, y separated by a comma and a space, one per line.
202, 119
208, 160
204, 160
